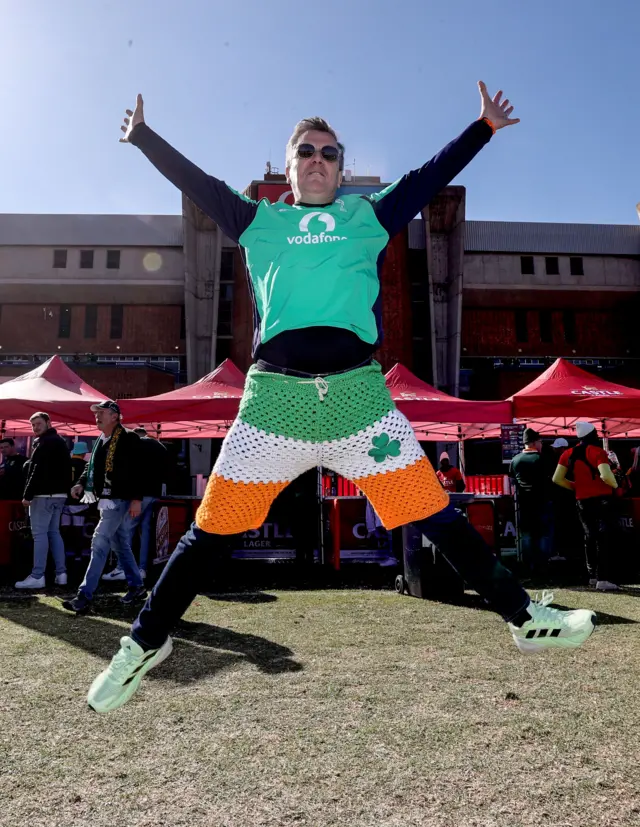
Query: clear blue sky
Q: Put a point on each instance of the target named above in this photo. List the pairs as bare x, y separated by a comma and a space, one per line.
225, 82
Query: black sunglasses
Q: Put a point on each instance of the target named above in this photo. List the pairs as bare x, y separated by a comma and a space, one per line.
329, 153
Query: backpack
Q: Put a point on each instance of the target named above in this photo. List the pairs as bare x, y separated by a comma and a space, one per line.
579, 454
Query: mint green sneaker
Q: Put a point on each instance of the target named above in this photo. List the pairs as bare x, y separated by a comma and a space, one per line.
119, 681
550, 628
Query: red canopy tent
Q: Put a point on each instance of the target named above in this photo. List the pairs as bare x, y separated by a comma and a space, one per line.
205, 408
54, 388
565, 393
436, 416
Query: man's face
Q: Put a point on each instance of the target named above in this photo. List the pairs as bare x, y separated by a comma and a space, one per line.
106, 419
7, 450
39, 426
314, 180
445, 464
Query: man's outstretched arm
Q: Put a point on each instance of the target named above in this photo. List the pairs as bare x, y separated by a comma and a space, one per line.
232, 211
400, 202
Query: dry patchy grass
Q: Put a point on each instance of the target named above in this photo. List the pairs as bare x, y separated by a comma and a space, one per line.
323, 708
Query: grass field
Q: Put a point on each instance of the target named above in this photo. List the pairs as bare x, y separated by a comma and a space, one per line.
321, 708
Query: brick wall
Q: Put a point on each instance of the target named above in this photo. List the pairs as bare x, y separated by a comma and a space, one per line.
492, 332
34, 328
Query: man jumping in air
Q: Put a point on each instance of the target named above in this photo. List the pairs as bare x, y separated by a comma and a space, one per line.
315, 396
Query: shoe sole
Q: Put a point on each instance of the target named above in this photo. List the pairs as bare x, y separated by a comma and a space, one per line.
69, 608
531, 647
138, 599
162, 654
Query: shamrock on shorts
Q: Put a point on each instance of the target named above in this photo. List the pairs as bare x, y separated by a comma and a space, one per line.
383, 447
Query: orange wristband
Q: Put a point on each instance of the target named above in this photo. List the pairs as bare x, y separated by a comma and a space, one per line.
487, 121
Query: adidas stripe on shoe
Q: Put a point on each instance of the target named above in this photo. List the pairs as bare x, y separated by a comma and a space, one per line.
552, 628
120, 680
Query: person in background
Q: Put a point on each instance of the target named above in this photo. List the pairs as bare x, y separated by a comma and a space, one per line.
113, 478
633, 474
564, 521
78, 461
593, 482
559, 446
533, 488
11, 475
74, 513
450, 477
155, 469
45, 494
618, 473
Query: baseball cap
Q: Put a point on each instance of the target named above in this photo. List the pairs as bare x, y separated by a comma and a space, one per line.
444, 455
560, 442
584, 428
107, 405
80, 449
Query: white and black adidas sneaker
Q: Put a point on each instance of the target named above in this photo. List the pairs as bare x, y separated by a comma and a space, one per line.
552, 628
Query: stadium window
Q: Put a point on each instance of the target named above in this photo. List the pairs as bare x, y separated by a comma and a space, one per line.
552, 266
113, 259
91, 321
522, 331
546, 326
64, 322
226, 265
59, 259
526, 266
576, 265
86, 259
117, 316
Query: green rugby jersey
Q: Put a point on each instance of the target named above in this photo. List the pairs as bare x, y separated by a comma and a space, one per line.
315, 267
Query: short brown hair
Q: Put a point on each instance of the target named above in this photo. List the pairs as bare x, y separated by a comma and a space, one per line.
319, 125
40, 415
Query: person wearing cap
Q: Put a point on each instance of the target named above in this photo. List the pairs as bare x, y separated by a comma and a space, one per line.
45, 493
593, 483
450, 477
559, 446
533, 488
565, 525
113, 478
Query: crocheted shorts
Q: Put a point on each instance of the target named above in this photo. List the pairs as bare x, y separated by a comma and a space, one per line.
346, 422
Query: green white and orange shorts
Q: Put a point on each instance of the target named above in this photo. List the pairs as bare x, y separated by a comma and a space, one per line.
346, 422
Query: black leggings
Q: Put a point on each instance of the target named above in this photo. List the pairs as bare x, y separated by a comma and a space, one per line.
458, 541
597, 518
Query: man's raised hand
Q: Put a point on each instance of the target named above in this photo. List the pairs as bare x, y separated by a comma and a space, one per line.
492, 108
132, 119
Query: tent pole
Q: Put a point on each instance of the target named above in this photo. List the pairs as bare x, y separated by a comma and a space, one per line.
461, 456
605, 436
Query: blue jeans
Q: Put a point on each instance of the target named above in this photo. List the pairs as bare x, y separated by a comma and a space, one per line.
113, 529
458, 541
45, 514
144, 521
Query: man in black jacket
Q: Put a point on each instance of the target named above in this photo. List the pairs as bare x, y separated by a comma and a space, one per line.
11, 477
45, 493
113, 478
